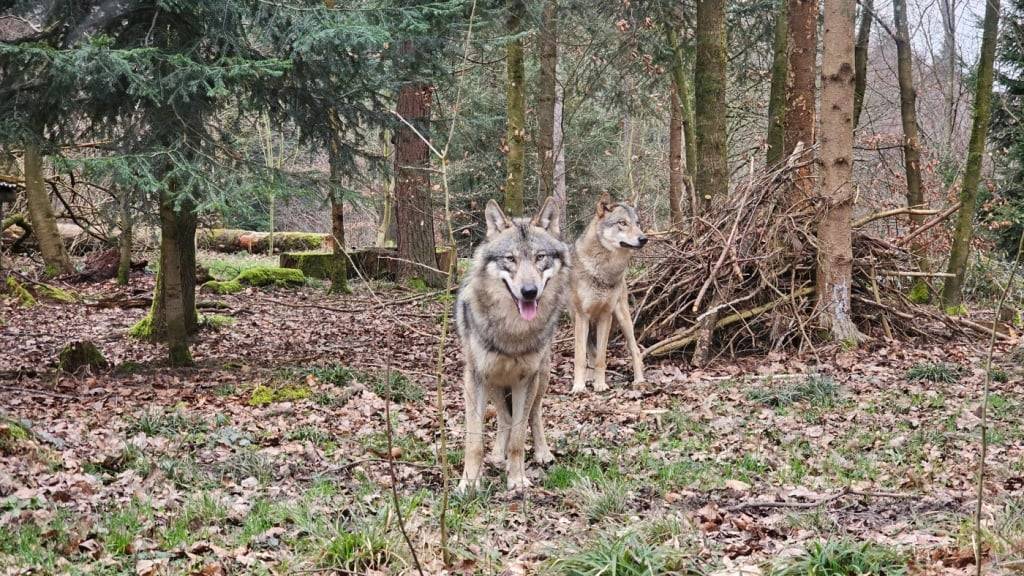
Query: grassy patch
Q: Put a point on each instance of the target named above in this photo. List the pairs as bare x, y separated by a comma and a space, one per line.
121, 527
359, 550
818, 389
604, 498
845, 558
168, 423
197, 513
12, 435
939, 372
39, 545
627, 555
397, 387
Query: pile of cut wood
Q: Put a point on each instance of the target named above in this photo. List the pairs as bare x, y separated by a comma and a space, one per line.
740, 278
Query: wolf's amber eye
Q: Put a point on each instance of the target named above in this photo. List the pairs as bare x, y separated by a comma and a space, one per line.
621, 222
541, 256
511, 259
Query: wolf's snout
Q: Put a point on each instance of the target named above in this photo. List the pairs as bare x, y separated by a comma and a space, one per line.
642, 241
529, 292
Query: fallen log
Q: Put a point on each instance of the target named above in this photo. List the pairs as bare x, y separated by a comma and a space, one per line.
232, 240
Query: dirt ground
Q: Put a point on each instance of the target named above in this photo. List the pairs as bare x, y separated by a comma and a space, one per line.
272, 455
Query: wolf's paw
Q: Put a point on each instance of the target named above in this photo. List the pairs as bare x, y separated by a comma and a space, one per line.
639, 379
600, 385
543, 456
579, 388
518, 483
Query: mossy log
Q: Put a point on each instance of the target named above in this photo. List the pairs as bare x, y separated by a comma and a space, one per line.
379, 263
234, 240
257, 276
80, 354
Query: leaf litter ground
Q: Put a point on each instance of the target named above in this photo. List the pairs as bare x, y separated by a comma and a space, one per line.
271, 456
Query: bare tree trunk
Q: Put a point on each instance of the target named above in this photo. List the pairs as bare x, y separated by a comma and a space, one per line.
709, 87
777, 96
802, 47
559, 146
947, 8
515, 91
413, 213
546, 88
40, 213
174, 300
125, 240
339, 267
951, 290
387, 231
675, 161
860, 57
679, 80
908, 113
835, 242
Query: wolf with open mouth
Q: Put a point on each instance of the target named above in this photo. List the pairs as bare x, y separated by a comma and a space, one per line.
507, 312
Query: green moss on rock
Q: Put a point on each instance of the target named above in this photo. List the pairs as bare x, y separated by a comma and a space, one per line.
958, 310
921, 293
223, 286
269, 275
18, 291
80, 354
264, 395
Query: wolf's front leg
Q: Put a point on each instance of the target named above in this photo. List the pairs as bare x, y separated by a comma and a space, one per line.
581, 325
474, 442
499, 452
604, 327
625, 320
522, 400
541, 452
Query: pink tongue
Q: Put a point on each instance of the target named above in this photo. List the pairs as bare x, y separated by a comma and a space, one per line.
527, 309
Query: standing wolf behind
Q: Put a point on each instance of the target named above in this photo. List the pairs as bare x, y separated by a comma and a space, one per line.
601, 258
507, 312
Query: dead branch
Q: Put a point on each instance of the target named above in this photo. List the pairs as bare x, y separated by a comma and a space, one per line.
893, 212
928, 225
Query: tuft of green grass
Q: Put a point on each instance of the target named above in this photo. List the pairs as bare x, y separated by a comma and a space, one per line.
215, 321
247, 464
308, 433
359, 550
199, 512
621, 555
604, 498
12, 435
999, 375
169, 423
921, 293
121, 527
818, 389
939, 372
397, 387
336, 374
845, 558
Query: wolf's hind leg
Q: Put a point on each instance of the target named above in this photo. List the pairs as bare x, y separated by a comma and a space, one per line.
604, 327
625, 320
500, 398
581, 326
523, 397
541, 453
474, 442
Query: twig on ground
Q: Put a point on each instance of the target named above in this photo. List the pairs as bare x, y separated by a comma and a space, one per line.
815, 503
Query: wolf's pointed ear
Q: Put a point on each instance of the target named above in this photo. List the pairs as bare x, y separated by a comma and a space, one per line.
604, 205
496, 219
547, 218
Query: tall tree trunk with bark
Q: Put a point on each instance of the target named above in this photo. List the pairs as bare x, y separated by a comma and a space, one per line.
676, 185
40, 214
908, 114
546, 95
777, 96
951, 290
679, 80
835, 242
339, 267
125, 240
951, 67
802, 46
709, 87
174, 314
387, 231
860, 58
413, 213
515, 91
559, 147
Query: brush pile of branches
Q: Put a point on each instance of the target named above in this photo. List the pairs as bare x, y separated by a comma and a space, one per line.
740, 278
